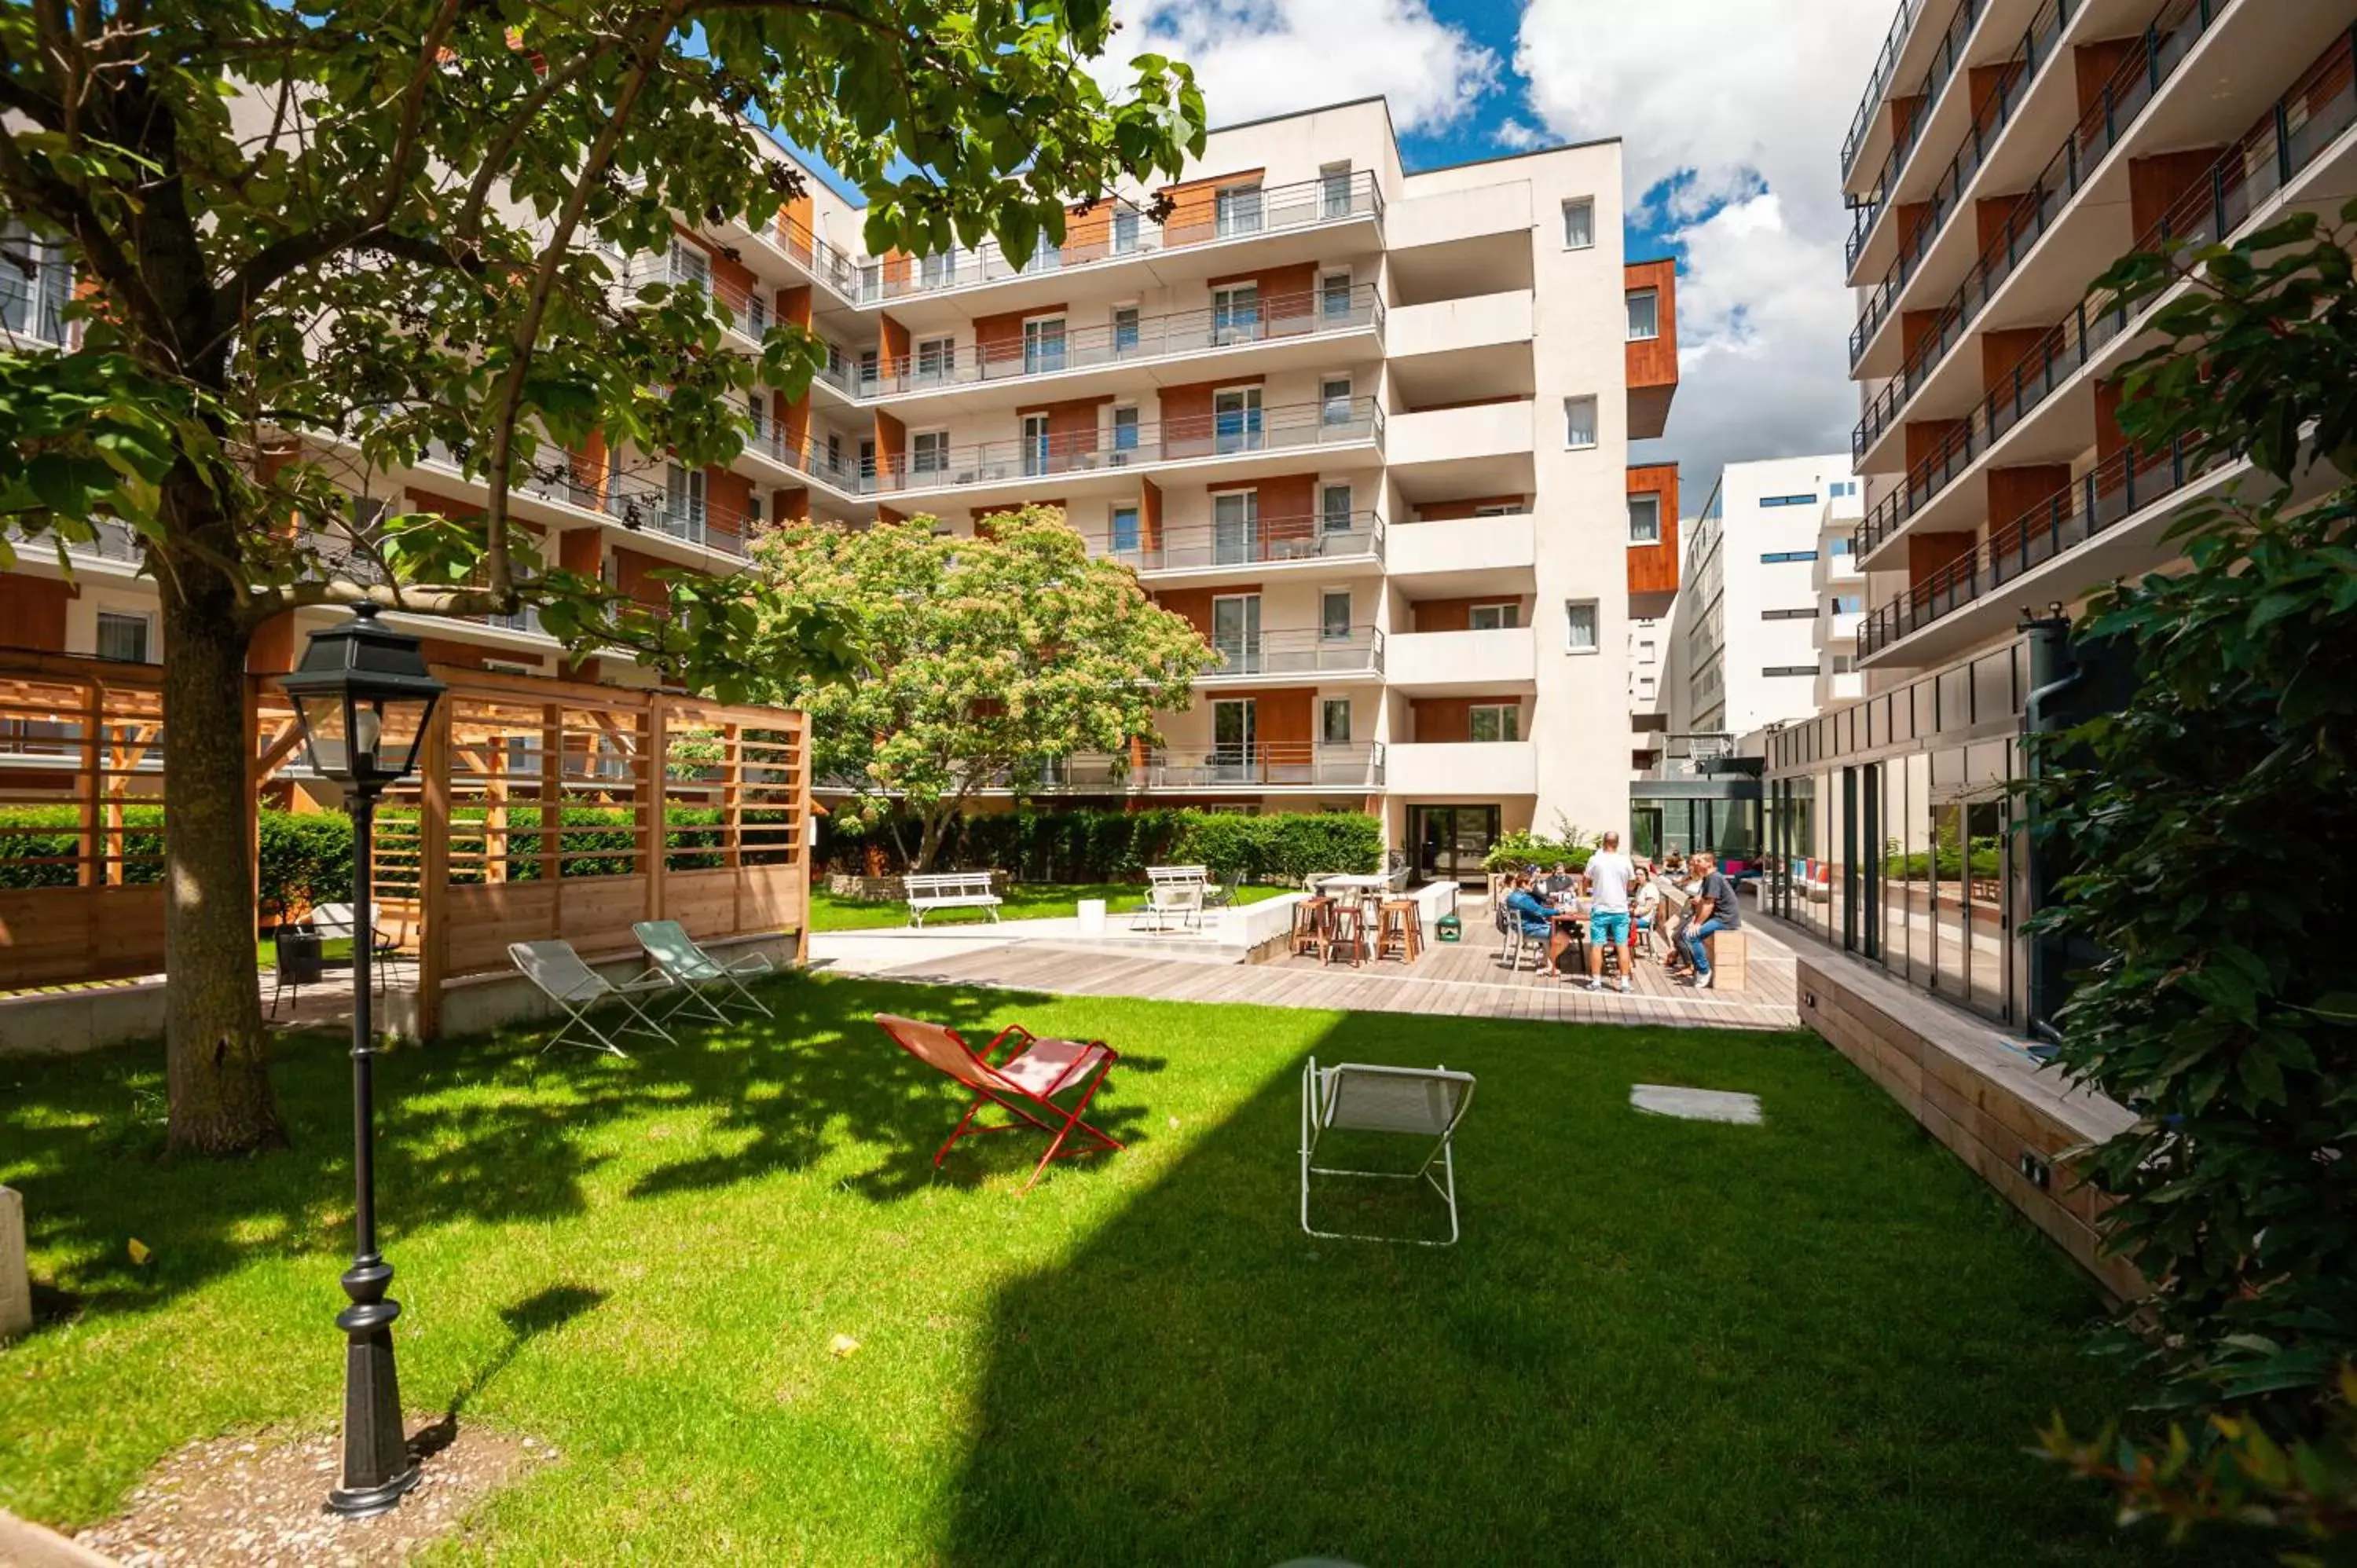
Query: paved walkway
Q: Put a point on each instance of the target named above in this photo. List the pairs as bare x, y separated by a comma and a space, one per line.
1463, 980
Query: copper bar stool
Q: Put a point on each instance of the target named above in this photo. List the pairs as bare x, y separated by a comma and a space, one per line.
1402, 925
1312, 918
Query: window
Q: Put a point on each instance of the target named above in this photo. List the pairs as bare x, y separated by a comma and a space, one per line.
1645, 519
683, 501
1126, 321
1235, 313
1125, 432
936, 359
690, 265
1124, 230
871, 367
1498, 509
1334, 400
752, 508
1043, 345
1334, 615
1839, 547
1494, 618
1789, 669
1125, 536
929, 452
1334, 296
1034, 444
1334, 509
1808, 499
1808, 614
757, 313
756, 414
1786, 557
1845, 664
1646, 687
1579, 626
1580, 422
1579, 223
833, 452
122, 637
1334, 191
937, 271
34, 306
1848, 604
1236, 210
1334, 721
1645, 654
1235, 420
1494, 721
1842, 488
1644, 315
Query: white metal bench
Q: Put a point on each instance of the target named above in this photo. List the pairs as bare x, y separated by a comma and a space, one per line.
931, 890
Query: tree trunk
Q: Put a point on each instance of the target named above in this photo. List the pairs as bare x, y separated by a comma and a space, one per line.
215, 1069
929, 842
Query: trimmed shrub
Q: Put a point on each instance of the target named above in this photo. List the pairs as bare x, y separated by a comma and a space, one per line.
1076, 846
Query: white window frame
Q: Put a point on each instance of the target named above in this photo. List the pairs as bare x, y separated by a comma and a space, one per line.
1508, 614
1327, 707
1571, 429
1254, 436
1334, 189
688, 264
1573, 239
1135, 507
1327, 278
1232, 216
935, 359
1333, 414
1326, 514
144, 620
1325, 596
1136, 344
1034, 340
1508, 716
1500, 508
1652, 296
1036, 450
1225, 326
941, 445
1655, 498
1572, 616
1121, 454
1124, 228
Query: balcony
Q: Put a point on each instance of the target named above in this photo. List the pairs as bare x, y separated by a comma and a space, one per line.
1245, 440
1699, 755
748, 309
642, 508
1464, 556
1453, 350
791, 240
1251, 549
1125, 234
1867, 122
111, 543
1464, 663
1268, 765
1483, 449
1844, 628
1087, 356
1464, 767
1283, 655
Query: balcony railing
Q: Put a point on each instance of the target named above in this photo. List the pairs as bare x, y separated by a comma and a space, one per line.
1692, 755
635, 504
1327, 199
1336, 423
2318, 109
1271, 319
1946, 55
1885, 60
1358, 650
2040, 42
2125, 97
792, 238
113, 541
2114, 492
1326, 537
1273, 764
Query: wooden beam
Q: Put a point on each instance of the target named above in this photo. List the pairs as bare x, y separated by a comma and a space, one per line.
434, 869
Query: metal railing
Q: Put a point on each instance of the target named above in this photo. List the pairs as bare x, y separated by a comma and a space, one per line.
1266, 765
1885, 60
1327, 199
111, 541
635, 504
1326, 537
1216, 434
1358, 650
2132, 88
2318, 109
2040, 42
792, 238
2113, 493
1947, 55
1272, 318
748, 309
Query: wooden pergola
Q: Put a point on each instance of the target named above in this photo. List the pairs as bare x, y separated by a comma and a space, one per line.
539, 809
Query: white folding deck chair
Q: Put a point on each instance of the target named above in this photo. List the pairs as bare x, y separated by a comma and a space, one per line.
575, 988
676, 954
1419, 1102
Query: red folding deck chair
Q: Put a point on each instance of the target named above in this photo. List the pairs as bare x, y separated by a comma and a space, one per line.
1024, 1084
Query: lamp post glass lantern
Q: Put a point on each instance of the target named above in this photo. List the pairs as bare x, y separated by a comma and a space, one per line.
363, 696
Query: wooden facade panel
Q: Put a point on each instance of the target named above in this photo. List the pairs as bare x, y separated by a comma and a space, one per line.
33, 612
1653, 568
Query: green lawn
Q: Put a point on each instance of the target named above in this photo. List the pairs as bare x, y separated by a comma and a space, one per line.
1025, 901
1819, 1341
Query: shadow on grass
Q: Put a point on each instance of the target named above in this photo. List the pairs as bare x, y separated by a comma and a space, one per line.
1659, 1341
527, 1320
485, 1129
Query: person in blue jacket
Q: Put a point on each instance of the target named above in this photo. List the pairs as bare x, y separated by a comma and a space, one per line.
1528, 910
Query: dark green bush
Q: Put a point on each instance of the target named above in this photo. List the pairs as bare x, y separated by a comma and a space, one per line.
142, 849
1073, 847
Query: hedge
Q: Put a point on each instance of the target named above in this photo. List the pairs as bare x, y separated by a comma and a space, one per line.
1074, 846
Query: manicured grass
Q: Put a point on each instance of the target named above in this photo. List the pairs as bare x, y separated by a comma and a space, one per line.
1818, 1341
1025, 901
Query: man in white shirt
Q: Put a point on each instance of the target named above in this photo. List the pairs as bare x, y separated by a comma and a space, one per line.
1608, 875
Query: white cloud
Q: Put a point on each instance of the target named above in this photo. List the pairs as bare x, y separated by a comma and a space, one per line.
1518, 135
1743, 107
1256, 58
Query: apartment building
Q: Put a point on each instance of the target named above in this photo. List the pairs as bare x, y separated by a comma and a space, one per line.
2004, 154
1367, 429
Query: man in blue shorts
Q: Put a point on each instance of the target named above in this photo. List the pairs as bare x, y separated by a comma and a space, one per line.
1608, 875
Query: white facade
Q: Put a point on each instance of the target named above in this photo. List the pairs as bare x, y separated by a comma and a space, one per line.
1767, 612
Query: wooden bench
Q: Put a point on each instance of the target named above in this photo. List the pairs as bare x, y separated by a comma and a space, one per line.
932, 890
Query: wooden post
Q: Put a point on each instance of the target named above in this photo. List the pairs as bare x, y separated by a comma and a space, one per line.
433, 870
803, 829
732, 797
552, 791
655, 768
495, 809
92, 871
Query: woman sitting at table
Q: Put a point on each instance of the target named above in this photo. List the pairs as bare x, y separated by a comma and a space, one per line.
1644, 907
1528, 910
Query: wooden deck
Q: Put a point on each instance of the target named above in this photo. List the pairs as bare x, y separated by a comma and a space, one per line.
1462, 980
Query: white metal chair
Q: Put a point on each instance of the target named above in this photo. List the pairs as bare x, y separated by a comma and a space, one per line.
575, 987
340, 922
1426, 1102
689, 966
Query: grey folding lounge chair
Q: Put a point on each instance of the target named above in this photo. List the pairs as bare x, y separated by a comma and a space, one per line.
688, 965
575, 988
1423, 1103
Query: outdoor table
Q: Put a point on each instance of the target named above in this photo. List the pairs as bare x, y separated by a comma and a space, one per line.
1363, 890
1567, 928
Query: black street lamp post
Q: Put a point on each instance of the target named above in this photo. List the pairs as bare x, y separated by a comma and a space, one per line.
362, 695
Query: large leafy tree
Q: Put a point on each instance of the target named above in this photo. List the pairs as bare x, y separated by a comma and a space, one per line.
315, 236
2210, 826
986, 660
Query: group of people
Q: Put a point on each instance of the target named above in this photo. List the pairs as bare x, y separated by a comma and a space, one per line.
1627, 899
